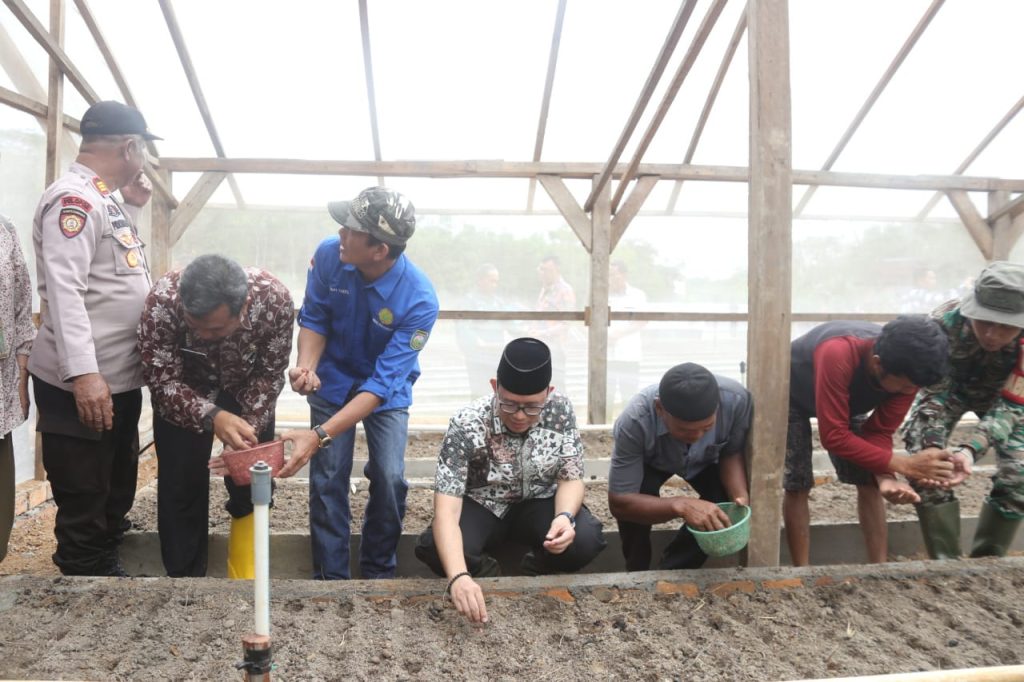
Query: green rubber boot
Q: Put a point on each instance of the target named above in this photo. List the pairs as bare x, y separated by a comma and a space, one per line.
995, 532
940, 526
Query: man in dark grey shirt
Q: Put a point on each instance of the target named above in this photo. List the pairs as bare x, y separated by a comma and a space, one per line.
693, 425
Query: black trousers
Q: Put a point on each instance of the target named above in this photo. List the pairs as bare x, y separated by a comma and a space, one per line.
92, 476
183, 492
683, 551
526, 523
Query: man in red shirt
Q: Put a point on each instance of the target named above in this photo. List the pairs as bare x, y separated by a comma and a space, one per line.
841, 371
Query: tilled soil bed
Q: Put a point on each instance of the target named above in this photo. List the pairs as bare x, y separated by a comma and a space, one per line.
878, 621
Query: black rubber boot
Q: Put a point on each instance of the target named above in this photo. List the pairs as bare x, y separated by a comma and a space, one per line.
940, 526
995, 532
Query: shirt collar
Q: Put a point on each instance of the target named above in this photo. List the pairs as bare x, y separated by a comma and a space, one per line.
498, 426
386, 283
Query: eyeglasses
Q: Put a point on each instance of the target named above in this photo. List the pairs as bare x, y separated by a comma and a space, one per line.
509, 407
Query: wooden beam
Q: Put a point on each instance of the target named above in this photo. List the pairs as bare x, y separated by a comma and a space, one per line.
160, 253
597, 331
975, 153
652, 316
709, 103
770, 263
699, 38
1002, 237
47, 42
18, 101
976, 226
667, 48
897, 61
1011, 208
54, 97
371, 96
197, 90
636, 200
529, 169
545, 102
193, 203
570, 210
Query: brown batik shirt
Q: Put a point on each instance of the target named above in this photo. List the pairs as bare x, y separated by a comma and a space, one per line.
185, 374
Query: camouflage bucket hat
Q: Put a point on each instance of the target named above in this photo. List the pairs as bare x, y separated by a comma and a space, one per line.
998, 295
380, 212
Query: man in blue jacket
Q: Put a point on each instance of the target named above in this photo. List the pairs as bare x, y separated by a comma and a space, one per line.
367, 314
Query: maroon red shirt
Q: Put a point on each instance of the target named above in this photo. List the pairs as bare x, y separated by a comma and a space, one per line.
185, 373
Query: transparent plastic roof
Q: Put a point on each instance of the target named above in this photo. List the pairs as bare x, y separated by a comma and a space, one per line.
462, 79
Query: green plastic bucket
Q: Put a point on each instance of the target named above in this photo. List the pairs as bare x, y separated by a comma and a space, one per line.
728, 540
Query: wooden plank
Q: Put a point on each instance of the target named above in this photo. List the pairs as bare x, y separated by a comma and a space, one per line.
1001, 227
193, 203
530, 169
159, 254
770, 263
18, 101
54, 97
371, 95
597, 331
545, 102
624, 216
20, 10
976, 226
571, 211
709, 103
894, 66
653, 316
699, 38
1011, 208
667, 48
197, 91
975, 153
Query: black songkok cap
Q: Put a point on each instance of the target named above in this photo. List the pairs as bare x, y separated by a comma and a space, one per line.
525, 367
689, 392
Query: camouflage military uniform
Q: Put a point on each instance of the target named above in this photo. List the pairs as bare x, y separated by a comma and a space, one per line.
973, 384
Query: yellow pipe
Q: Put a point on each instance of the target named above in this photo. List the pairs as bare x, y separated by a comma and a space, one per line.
1003, 673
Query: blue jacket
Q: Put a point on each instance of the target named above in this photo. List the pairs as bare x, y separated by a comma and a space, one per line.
374, 331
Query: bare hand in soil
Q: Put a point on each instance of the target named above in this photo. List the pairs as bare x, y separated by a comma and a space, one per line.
306, 443
92, 398
560, 535
933, 464
897, 492
701, 514
469, 600
234, 431
304, 381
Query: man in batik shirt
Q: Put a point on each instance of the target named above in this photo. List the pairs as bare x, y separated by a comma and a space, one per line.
215, 341
510, 468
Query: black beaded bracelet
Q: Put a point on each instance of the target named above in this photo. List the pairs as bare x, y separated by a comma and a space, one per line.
448, 590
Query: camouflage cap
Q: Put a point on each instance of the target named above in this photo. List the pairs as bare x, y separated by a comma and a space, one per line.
380, 212
998, 295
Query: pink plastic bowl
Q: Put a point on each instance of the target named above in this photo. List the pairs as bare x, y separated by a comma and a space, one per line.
239, 461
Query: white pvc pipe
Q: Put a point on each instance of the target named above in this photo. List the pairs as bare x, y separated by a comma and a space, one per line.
1004, 673
261, 540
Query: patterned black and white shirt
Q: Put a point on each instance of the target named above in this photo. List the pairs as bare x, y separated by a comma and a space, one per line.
483, 460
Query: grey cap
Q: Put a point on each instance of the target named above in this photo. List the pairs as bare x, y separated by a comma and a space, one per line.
998, 295
380, 212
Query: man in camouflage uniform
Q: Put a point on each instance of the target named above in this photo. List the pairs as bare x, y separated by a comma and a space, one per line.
984, 329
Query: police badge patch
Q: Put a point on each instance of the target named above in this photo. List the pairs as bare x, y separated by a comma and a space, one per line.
419, 339
385, 316
72, 220
132, 259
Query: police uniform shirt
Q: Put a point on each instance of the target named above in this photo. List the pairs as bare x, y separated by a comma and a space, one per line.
93, 279
375, 331
641, 438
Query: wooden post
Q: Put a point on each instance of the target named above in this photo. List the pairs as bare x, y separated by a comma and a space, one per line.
1002, 240
769, 261
160, 238
55, 97
597, 333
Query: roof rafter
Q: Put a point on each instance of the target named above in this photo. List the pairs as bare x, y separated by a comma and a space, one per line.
699, 38
371, 95
197, 90
709, 103
897, 61
669, 46
549, 83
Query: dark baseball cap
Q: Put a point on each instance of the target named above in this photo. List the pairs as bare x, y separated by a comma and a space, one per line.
113, 118
998, 295
380, 212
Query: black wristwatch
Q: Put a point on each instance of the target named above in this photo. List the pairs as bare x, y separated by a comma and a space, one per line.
568, 515
321, 433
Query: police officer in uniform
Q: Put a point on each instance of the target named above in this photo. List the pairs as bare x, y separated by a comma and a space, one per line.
93, 280
367, 314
